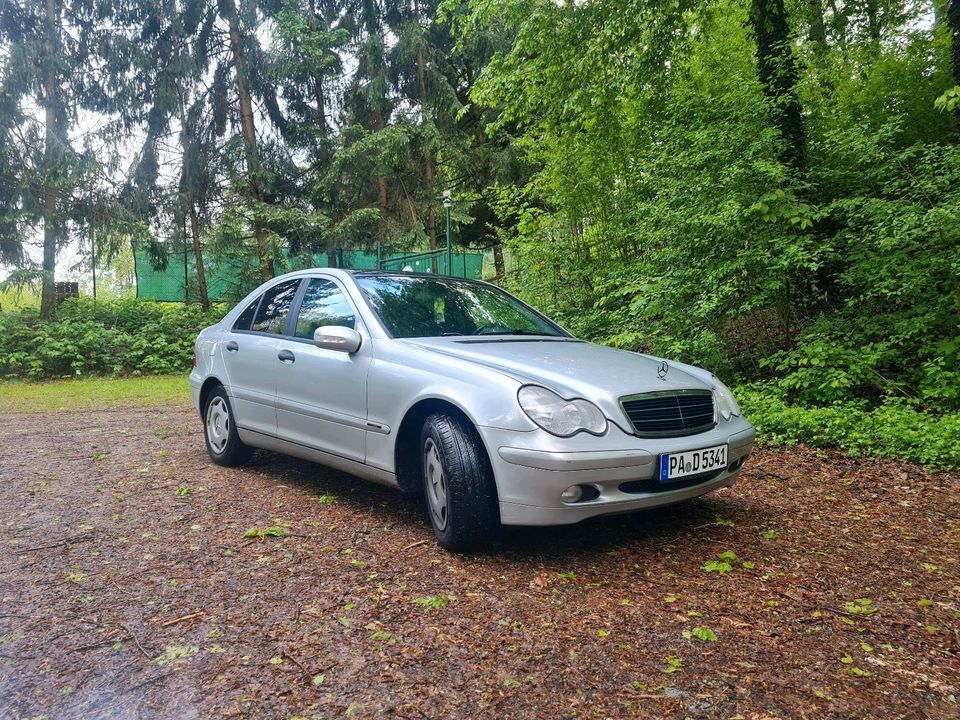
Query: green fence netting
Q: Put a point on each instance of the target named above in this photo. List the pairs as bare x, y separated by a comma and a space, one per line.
230, 276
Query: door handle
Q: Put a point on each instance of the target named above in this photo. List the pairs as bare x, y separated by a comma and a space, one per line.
286, 356
232, 346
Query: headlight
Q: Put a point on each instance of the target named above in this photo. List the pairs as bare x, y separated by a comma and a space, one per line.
726, 402
558, 416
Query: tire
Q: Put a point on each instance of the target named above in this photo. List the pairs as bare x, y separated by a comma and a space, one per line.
224, 445
458, 485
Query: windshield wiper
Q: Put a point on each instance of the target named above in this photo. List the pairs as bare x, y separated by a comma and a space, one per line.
519, 331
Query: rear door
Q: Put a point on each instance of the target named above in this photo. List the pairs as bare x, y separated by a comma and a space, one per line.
250, 357
322, 394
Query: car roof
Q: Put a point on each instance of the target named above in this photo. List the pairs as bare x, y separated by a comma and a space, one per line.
402, 273
360, 273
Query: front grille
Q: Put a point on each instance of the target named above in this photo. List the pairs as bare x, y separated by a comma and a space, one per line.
670, 413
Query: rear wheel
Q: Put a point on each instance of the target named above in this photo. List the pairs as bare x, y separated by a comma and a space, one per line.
220, 431
458, 483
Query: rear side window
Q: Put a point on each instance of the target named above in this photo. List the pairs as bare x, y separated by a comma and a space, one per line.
323, 304
246, 317
273, 310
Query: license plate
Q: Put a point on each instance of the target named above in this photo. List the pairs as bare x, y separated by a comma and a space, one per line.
692, 462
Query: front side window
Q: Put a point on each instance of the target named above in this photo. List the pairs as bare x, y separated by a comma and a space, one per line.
273, 310
323, 304
416, 306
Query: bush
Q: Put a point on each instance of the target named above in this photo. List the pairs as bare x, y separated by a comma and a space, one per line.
896, 428
122, 337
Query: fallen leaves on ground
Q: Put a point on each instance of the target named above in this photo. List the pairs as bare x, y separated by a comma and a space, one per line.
136, 574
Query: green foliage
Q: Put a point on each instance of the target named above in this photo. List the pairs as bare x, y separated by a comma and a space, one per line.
949, 101
665, 214
672, 664
175, 652
262, 534
433, 602
896, 428
860, 606
704, 634
123, 337
717, 566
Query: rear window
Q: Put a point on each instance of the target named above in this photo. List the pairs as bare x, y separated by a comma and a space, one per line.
272, 313
246, 317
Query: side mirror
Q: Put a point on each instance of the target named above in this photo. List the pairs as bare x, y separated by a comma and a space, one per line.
337, 337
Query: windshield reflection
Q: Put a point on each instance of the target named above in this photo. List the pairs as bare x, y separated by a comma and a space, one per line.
417, 306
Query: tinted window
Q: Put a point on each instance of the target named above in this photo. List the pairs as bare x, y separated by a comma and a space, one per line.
273, 310
412, 306
246, 317
323, 304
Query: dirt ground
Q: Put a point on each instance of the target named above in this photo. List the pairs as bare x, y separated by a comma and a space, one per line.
819, 586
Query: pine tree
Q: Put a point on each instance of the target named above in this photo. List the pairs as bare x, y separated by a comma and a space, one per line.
44, 177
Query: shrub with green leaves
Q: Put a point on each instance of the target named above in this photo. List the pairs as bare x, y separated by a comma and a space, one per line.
895, 428
118, 337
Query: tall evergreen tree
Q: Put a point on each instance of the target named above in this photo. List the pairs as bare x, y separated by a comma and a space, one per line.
160, 92
241, 40
48, 64
368, 100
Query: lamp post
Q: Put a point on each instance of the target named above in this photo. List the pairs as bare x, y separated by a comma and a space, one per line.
447, 202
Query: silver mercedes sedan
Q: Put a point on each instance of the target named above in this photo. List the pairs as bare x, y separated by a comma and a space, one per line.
458, 389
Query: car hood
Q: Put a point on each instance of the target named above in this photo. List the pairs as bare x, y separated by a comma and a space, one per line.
572, 368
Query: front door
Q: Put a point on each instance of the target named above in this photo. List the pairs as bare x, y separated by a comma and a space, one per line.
322, 394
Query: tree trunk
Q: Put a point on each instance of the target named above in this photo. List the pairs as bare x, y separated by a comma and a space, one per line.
817, 35
198, 257
228, 12
187, 186
778, 76
953, 24
318, 90
873, 21
499, 267
381, 188
51, 222
428, 155
382, 207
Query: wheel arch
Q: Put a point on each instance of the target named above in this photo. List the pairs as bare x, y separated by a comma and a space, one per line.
208, 387
407, 444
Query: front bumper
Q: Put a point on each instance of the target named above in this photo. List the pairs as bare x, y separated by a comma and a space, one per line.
533, 468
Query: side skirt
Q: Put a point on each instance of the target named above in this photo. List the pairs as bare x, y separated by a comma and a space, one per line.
362, 470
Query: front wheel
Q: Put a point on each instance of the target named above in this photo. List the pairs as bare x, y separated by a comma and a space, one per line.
458, 483
220, 431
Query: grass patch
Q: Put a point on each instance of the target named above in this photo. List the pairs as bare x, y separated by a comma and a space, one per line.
92, 393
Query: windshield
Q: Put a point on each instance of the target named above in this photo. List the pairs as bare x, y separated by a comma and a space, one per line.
417, 306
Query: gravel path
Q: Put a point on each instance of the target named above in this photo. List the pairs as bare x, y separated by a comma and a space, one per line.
820, 586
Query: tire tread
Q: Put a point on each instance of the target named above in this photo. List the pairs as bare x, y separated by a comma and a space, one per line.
474, 515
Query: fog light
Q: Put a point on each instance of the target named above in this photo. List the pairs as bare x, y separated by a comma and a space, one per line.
572, 494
